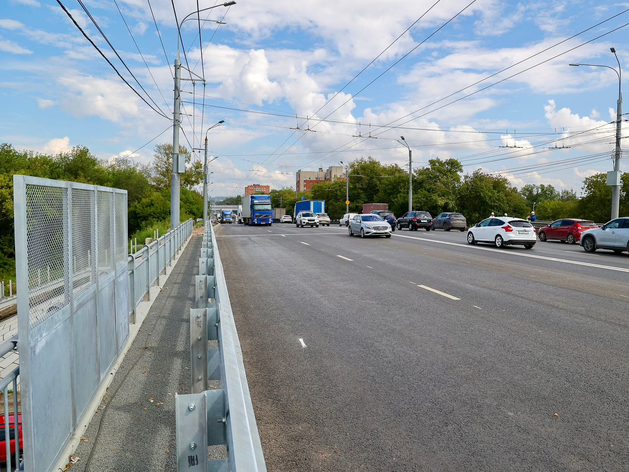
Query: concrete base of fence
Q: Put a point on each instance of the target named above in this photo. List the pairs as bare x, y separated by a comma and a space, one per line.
141, 311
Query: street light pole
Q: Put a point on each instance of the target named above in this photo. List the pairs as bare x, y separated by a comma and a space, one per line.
410, 173
205, 173
346, 187
614, 177
180, 167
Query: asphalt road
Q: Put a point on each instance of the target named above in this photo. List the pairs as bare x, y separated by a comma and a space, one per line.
420, 352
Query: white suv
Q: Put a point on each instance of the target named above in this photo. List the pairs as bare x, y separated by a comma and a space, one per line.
612, 235
306, 218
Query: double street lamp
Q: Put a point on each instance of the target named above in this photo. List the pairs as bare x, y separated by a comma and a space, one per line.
346, 187
613, 177
180, 167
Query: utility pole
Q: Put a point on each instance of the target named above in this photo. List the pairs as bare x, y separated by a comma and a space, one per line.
410, 173
617, 174
175, 178
346, 188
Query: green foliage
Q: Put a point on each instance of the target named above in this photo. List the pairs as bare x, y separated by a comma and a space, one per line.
334, 195
148, 188
285, 198
435, 186
230, 201
536, 194
555, 209
597, 196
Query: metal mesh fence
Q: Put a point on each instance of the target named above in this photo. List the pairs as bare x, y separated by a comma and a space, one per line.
121, 228
82, 231
105, 227
47, 253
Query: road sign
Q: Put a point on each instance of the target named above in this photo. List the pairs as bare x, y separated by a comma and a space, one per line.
347, 202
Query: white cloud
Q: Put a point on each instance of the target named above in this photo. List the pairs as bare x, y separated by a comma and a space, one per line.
140, 28
44, 103
57, 146
13, 48
9, 24
30, 3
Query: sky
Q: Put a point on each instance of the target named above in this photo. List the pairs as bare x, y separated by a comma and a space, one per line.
312, 83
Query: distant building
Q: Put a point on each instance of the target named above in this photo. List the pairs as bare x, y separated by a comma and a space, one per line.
257, 189
307, 178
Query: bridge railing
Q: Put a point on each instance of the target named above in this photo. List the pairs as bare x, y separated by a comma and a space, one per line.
221, 416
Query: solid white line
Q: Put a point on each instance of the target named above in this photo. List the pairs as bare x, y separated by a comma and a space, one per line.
438, 292
346, 258
520, 254
303, 344
306, 244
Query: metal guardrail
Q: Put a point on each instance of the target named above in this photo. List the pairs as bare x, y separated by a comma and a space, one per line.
222, 416
11, 428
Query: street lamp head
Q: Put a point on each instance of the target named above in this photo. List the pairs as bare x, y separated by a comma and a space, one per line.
402, 138
221, 122
613, 50
574, 65
229, 4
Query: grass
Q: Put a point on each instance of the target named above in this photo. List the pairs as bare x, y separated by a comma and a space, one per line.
149, 232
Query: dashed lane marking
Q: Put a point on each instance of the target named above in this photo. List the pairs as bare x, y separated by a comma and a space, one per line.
439, 292
303, 344
477, 307
305, 244
346, 258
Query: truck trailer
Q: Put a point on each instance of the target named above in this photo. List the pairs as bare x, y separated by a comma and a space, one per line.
369, 207
315, 206
256, 210
278, 213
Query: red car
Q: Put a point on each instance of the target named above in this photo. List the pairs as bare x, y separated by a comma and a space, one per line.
3, 447
566, 229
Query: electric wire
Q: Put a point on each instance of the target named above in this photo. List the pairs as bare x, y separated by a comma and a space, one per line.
159, 35
93, 20
108, 61
142, 56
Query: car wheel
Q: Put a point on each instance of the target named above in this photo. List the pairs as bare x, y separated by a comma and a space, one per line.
462, 229
388, 235
399, 226
446, 227
427, 228
362, 233
316, 226
499, 241
571, 239
349, 231
296, 225
589, 245
542, 236
528, 246
470, 238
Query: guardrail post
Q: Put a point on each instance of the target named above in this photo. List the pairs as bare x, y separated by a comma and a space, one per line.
198, 349
205, 288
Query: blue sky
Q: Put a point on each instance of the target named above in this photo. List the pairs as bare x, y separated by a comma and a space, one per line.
275, 63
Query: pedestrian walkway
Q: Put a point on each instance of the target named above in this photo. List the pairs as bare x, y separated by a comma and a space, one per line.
134, 426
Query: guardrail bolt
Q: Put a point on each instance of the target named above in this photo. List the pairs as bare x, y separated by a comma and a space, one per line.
198, 356
198, 338
193, 446
191, 406
199, 378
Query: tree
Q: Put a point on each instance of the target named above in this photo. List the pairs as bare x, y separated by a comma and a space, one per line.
230, 201
536, 194
162, 168
334, 195
597, 198
435, 186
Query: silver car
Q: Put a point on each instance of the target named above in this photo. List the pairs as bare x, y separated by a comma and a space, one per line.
368, 225
346, 217
612, 235
323, 218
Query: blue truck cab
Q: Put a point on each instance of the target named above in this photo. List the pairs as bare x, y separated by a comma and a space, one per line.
261, 211
227, 217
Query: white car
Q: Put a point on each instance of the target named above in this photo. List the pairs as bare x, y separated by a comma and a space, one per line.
324, 219
612, 235
503, 231
346, 217
368, 224
286, 219
306, 218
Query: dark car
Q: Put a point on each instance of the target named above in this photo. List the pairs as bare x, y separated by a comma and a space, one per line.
566, 229
448, 221
386, 215
415, 219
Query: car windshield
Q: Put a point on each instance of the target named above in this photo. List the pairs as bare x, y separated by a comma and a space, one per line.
323, 215
371, 218
422, 214
261, 206
456, 216
586, 223
520, 224
306, 214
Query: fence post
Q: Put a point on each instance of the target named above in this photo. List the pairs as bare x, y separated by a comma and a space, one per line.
132, 289
148, 272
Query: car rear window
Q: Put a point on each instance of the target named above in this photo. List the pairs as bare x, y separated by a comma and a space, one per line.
587, 223
422, 214
457, 216
384, 214
520, 224
325, 215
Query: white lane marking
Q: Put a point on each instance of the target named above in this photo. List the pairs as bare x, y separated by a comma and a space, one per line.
439, 292
305, 244
477, 307
269, 231
303, 344
413, 283
346, 258
369, 267
283, 235
519, 254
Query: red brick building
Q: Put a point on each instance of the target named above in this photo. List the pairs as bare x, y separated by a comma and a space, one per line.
257, 189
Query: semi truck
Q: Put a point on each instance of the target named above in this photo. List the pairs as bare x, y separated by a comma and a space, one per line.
315, 206
278, 213
256, 210
369, 207
227, 217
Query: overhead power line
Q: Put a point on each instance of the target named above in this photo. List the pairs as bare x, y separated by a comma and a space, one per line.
159, 35
161, 113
